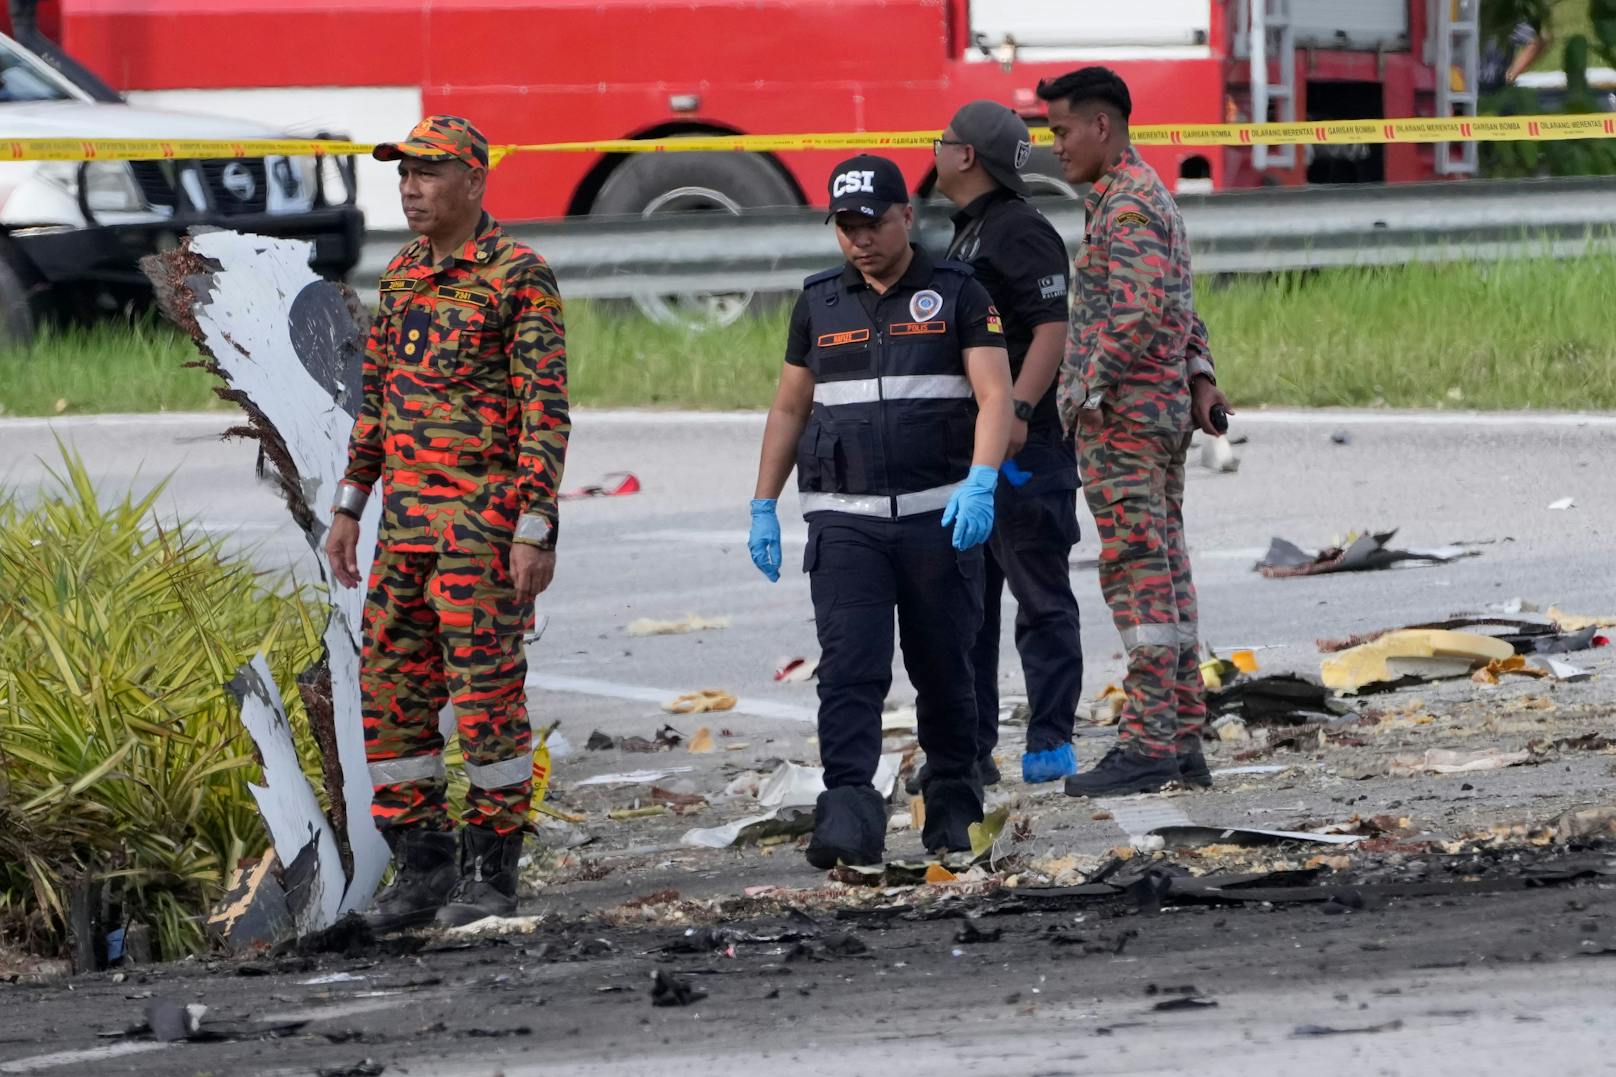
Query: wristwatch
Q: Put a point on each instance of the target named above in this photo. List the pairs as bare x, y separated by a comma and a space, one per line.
1023, 410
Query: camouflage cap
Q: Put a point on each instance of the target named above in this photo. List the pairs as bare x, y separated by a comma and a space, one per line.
439, 138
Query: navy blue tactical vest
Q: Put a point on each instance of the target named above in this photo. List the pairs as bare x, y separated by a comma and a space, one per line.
894, 421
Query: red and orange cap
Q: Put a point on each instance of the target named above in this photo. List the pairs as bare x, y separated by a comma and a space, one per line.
439, 138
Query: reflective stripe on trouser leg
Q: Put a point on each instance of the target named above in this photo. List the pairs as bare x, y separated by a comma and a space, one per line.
409, 768
1189, 692
482, 624
512, 771
1124, 471
1149, 635
402, 691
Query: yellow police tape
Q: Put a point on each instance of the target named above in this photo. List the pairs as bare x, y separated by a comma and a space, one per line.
1343, 132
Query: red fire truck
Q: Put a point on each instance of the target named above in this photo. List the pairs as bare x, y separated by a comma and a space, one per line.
533, 71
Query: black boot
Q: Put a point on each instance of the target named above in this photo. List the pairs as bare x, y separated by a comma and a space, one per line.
850, 825
1192, 768
987, 772
423, 875
487, 885
1122, 772
952, 805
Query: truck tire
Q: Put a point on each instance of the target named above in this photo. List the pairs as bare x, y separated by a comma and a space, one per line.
648, 185
16, 311
1044, 176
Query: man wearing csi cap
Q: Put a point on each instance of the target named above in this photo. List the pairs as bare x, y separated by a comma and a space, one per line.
464, 422
1018, 256
894, 408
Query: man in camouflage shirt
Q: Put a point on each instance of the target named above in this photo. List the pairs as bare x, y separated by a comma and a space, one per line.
1136, 372
464, 422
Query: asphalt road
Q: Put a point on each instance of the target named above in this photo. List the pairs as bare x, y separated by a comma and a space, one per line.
679, 546
1480, 984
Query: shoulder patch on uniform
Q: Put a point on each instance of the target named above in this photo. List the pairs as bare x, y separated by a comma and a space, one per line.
995, 323
397, 284
1132, 217
836, 340
822, 275
467, 296
952, 266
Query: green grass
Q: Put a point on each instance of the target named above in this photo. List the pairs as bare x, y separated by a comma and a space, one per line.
108, 367
619, 359
1533, 333
1514, 334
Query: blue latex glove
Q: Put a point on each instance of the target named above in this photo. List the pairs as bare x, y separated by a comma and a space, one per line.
764, 539
1013, 474
970, 510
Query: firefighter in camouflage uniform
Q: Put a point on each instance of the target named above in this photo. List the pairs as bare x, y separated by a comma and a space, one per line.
464, 423
1137, 374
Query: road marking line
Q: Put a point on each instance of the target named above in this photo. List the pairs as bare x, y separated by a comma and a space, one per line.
588, 686
697, 537
88, 1054
342, 1009
1138, 816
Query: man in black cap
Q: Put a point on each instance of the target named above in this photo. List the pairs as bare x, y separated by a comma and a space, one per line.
1019, 258
894, 408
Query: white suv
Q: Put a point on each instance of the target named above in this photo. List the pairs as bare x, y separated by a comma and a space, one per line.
72, 233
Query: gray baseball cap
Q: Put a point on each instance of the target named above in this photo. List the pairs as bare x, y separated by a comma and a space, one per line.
1000, 138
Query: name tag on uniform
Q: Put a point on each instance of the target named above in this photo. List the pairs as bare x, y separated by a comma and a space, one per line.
397, 284
916, 329
466, 296
836, 340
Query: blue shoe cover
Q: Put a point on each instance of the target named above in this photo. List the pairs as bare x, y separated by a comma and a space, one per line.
1049, 765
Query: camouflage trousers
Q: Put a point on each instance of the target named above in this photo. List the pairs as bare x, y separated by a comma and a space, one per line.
445, 628
1133, 479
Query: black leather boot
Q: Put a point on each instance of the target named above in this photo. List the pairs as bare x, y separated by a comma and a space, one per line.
850, 825
423, 875
1122, 772
952, 805
487, 885
987, 772
1192, 768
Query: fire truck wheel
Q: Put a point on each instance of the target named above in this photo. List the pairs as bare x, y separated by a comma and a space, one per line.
652, 184
1044, 178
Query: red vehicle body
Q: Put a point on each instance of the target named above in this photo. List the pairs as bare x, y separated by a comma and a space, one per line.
531, 71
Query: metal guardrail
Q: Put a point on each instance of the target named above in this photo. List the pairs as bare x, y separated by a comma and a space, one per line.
1260, 231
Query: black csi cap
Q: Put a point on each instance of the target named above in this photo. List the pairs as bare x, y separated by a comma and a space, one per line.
866, 185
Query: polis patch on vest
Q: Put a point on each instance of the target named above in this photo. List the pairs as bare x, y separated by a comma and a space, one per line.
924, 305
916, 329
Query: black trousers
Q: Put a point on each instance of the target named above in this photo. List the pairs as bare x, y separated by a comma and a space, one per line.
861, 571
1030, 549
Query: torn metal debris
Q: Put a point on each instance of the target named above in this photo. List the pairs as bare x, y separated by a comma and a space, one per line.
1357, 553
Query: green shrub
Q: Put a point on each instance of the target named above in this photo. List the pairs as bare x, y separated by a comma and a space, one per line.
121, 754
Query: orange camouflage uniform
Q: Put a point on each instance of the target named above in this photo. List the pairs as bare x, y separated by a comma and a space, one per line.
464, 422
1133, 344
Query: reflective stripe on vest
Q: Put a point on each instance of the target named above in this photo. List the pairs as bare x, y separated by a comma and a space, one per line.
879, 505
896, 387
